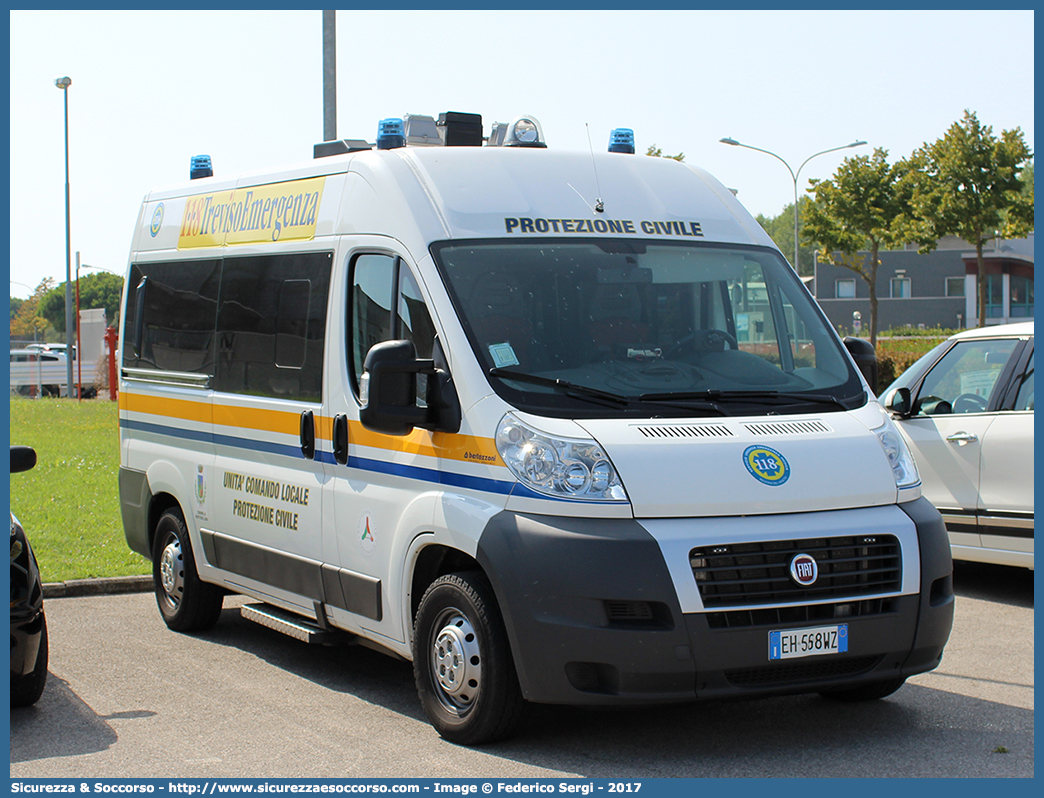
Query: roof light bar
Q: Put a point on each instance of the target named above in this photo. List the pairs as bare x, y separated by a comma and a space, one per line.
200, 166
391, 134
622, 140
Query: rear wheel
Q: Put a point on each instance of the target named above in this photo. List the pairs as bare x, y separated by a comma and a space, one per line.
866, 692
186, 603
27, 688
462, 662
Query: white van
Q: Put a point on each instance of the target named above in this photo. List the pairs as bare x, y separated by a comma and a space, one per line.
557, 427
38, 372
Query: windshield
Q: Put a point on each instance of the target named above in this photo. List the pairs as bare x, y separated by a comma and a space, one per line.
599, 328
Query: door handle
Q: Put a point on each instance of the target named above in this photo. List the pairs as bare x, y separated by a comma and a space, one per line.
340, 438
961, 438
308, 434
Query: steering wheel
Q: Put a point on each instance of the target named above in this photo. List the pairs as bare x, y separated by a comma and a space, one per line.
703, 341
969, 403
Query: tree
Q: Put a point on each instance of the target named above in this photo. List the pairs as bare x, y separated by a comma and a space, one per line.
26, 322
656, 152
970, 184
101, 290
863, 206
781, 229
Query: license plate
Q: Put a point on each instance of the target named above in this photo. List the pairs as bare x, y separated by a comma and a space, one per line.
808, 642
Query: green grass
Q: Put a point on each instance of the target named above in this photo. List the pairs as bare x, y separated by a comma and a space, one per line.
69, 504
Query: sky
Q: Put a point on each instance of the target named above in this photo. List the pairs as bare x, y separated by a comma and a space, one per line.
150, 89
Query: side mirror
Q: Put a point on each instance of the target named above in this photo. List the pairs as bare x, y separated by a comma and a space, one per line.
898, 402
862, 352
389, 388
22, 458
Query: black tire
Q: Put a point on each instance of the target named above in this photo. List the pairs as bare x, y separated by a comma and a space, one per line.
866, 692
186, 603
27, 688
462, 662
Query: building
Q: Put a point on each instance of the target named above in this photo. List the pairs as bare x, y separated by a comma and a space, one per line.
937, 289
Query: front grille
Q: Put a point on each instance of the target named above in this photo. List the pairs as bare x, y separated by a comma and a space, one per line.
773, 675
751, 574
800, 613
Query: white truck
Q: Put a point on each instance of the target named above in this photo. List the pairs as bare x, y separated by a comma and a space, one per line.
558, 427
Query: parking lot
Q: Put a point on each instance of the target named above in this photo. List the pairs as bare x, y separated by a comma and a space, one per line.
126, 698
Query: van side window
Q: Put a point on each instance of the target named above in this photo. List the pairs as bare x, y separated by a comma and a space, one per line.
178, 312
372, 277
271, 325
377, 281
414, 320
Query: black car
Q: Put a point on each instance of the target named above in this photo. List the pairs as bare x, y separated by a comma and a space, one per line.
28, 624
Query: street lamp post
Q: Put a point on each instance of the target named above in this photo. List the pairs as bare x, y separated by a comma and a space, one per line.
64, 84
794, 175
77, 352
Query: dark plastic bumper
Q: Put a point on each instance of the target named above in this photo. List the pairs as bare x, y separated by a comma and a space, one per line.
567, 588
27, 614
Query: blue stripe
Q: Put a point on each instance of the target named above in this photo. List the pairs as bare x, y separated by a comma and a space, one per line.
258, 446
420, 473
162, 429
432, 475
209, 437
361, 463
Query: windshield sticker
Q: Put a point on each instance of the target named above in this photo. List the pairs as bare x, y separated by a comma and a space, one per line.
503, 355
766, 465
614, 226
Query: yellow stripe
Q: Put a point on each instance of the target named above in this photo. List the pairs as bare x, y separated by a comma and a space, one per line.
185, 409
258, 418
465, 448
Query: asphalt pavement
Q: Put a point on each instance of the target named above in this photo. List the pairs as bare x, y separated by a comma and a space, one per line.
127, 698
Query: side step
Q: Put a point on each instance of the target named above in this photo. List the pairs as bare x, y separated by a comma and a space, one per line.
288, 623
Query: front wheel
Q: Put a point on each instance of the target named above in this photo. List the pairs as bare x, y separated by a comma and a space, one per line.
187, 603
462, 662
866, 692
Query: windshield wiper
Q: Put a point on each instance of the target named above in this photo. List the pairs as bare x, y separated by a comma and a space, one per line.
562, 386
749, 396
604, 397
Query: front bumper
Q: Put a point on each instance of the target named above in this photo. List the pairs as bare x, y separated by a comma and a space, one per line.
26, 637
593, 618
27, 615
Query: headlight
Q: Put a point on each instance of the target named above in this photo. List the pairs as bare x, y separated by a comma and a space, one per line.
567, 468
899, 457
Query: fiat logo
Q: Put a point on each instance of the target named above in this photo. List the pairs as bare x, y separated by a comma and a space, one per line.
804, 570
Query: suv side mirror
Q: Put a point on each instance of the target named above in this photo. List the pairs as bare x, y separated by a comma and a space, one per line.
389, 391
22, 458
862, 352
898, 402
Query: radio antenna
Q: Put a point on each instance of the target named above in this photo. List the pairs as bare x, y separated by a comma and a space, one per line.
599, 206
